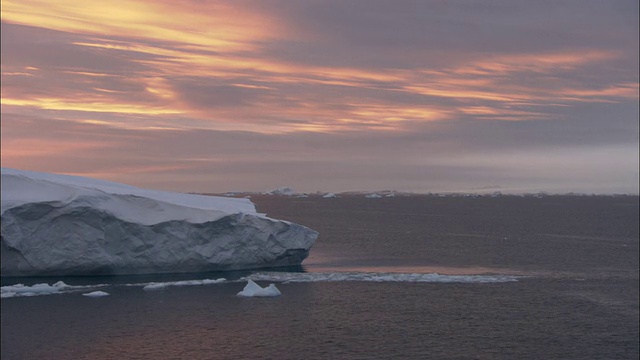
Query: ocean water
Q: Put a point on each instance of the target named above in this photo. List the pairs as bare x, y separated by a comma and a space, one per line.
417, 277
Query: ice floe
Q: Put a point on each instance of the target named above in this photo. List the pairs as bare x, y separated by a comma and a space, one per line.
164, 285
380, 277
252, 289
59, 287
20, 290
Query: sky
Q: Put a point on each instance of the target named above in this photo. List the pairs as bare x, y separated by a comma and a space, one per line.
361, 95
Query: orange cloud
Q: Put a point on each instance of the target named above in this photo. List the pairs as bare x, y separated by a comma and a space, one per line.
534, 62
223, 43
88, 106
623, 90
209, 24
19, 150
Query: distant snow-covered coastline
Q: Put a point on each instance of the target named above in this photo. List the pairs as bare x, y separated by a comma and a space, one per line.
68, 225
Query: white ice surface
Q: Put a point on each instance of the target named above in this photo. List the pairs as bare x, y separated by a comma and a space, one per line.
96, 294
254, 290
21, 187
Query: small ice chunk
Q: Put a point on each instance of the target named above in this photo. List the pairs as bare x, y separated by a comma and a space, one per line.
96, 294
254, 290
155, 286
212, 281
60, 285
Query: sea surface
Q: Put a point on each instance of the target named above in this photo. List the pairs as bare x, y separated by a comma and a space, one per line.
405, 277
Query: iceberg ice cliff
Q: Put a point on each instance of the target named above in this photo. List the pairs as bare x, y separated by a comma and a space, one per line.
68, 225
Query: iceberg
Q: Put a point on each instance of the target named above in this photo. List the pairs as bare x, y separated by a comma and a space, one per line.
254, 290
283, 190
96, 294
68, 225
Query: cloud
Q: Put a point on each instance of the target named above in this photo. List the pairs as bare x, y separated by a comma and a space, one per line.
394, 93
436, 158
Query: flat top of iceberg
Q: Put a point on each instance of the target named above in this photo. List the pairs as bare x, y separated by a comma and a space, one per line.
20, 187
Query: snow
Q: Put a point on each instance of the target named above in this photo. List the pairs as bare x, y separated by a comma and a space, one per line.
69, 225
123, 201
254, 290
96, 294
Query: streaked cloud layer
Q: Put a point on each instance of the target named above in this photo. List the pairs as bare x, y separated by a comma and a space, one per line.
322, 95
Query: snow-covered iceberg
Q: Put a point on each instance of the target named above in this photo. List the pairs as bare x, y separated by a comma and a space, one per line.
68, 225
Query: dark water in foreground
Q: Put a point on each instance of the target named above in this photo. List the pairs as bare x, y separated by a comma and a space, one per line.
576, 296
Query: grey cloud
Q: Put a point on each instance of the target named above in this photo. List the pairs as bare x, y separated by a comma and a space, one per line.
54, 50
215, 93
564, 146
210, 161
58, 62
411, 34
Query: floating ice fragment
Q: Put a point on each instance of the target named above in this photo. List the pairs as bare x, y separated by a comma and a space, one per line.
155, 286
212, 281
96, 294
254, 290
163, 285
